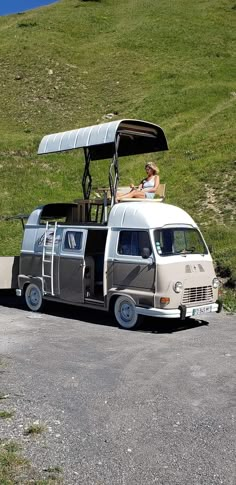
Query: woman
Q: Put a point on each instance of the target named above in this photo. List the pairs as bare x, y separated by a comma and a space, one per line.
148, 186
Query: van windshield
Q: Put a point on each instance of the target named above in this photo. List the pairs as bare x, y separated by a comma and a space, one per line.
174, 241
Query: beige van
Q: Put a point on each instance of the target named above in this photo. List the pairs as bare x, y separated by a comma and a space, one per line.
148, 260
134, 258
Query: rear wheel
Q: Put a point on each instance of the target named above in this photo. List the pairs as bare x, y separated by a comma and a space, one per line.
126, 314
33, 297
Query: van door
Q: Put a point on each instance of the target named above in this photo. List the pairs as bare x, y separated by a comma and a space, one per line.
130, 270
72, 265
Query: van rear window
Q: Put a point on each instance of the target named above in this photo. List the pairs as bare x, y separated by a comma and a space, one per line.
174, 241
73, 240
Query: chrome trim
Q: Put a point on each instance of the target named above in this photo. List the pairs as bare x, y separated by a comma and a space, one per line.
173, 313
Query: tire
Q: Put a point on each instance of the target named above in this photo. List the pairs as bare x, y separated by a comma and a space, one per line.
33, 297
126, 314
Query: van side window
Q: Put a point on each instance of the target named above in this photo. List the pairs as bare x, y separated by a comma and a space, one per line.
73, 240
132, 242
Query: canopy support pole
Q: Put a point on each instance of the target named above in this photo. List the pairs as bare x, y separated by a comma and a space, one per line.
87, 179
114, 172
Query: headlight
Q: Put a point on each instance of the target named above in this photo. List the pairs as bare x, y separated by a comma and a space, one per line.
178, 287
215, 283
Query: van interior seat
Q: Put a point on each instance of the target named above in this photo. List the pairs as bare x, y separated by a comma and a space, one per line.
89, 275
99, 265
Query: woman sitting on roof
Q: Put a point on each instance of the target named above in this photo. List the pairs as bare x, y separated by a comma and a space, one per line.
147, 188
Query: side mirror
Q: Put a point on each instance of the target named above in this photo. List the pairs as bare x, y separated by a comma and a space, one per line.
145, 253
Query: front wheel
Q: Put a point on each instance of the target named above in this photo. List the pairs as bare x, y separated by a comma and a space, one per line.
33, 297
126, 314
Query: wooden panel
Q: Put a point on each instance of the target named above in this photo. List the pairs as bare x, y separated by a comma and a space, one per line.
9, 270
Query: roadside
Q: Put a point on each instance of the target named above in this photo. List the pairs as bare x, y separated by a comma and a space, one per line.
153, 406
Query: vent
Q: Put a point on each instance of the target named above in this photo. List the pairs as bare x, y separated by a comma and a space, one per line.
198, 294
201, 268
189, 269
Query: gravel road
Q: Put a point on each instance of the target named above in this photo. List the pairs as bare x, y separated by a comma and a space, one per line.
118, 407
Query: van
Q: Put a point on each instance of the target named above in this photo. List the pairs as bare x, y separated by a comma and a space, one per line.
136, 258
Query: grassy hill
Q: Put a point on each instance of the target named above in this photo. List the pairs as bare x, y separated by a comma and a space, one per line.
70, 64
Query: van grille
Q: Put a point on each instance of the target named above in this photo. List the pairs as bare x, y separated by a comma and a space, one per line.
198, 294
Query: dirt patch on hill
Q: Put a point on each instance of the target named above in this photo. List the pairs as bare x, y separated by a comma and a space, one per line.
219, 203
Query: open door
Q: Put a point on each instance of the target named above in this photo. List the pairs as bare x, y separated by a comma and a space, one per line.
72, 265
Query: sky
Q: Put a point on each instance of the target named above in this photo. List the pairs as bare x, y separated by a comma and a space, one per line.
15, 6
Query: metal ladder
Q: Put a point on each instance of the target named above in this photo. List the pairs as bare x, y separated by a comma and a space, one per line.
48, 257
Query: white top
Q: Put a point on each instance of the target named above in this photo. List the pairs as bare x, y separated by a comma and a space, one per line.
146, 215
147, 184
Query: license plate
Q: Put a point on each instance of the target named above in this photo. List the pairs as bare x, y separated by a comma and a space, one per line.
203, 309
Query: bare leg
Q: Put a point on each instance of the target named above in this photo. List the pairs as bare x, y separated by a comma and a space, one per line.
134, 194
119, 195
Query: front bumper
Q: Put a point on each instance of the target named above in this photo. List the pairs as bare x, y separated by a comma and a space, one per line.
181, 312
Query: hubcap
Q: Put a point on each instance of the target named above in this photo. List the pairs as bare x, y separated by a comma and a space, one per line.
34, 297
126, 312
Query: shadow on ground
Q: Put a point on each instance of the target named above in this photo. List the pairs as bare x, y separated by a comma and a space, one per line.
151, 325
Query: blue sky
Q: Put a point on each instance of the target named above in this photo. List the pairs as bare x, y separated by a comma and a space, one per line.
14, 6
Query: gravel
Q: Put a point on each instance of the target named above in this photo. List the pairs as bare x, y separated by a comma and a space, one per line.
120, 407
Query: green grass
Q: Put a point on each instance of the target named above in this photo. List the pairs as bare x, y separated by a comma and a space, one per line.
6, 414
11, 463
229, 300
16, 469
71, 63
34, 429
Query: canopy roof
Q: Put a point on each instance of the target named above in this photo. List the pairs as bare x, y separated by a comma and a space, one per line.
136, 137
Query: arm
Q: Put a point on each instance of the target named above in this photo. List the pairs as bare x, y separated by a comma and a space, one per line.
137, 187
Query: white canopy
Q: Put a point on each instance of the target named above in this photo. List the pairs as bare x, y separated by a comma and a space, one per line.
136, 137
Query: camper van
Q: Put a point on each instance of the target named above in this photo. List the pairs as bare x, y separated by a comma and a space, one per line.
136, 258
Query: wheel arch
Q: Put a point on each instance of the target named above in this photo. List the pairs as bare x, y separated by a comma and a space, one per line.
25, 281
113, 297
125, 312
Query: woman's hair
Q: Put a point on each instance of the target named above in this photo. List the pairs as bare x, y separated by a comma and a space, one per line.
153, 166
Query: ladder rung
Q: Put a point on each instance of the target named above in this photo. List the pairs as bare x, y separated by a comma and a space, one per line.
48, 255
